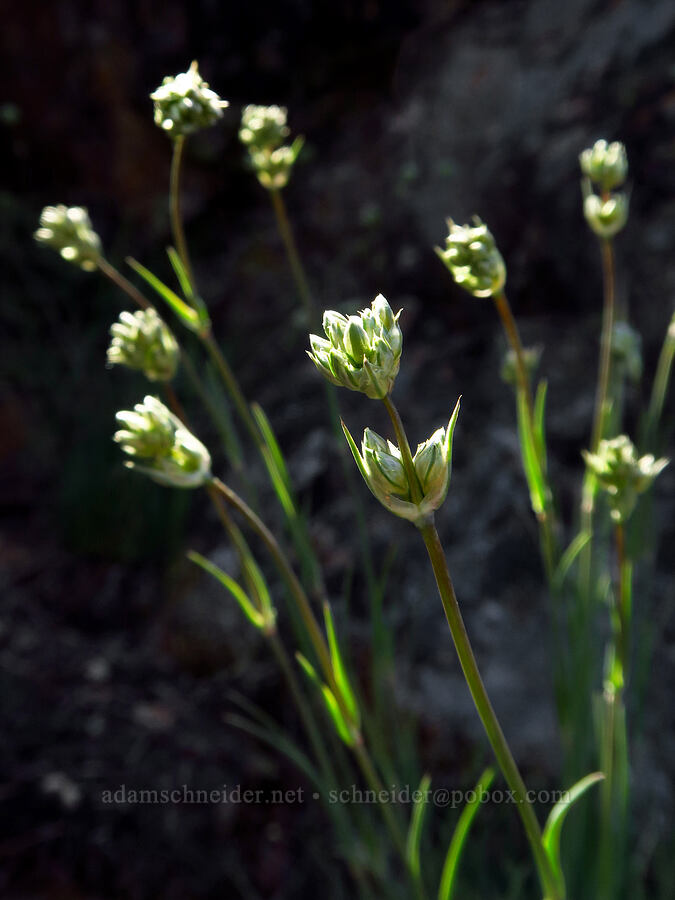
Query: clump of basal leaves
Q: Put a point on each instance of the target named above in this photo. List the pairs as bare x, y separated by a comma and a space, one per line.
383, 850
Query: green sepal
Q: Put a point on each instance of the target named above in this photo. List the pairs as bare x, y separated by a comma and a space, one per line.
554, 824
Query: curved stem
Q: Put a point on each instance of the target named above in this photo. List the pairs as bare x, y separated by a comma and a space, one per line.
290, 578
117, 278
286, 232
473, 677
513, 337
318, 642
174, 207
233, 388
487, 714
524, 388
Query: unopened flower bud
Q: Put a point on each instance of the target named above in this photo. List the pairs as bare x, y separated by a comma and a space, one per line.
473, 259
68, 229
622, 474
381, 466
185, 104
161, 447
606, 217
605, 164
263, 130
263, 127
142, 341
361, 352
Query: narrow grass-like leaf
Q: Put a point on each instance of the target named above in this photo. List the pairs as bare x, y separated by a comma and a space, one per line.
459, 836
332, 705
234, 588
554, 823
279, 741
568, 557
339, 670
272, 444
180, 272
412, 849
188, 316
539, 424
530, 456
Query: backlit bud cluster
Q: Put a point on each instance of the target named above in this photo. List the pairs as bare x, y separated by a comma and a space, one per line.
68, 230
622, 473
185, 104
472, 258
161, 447
360, 352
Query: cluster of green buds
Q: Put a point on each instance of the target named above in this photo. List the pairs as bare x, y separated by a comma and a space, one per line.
362, 352
264, 131
161, 447
622, 473
626, 347
472, 258
185, 104
68, 230
144, 342
604, 167
382, 468
509, 370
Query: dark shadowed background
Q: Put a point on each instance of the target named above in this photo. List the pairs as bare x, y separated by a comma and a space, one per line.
117, 659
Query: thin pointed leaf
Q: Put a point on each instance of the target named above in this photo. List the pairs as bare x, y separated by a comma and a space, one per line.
460, 835
539, 424
412, 849
278, 741
531, 465
252, 614
180, 272
568, 557
332, 705
339, 670
272, 444
185, 313
554, 823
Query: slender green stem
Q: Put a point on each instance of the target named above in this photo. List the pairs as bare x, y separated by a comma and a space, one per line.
513, 336
615, 789
318, 642
233, 388
290, 578
286, 232
174, 207
472, 674
487, 714
602, 394
545, 518
117, 278
661, 381
600, 413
